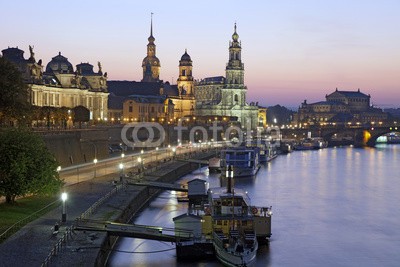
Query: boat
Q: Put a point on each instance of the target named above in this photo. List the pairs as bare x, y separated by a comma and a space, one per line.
286, 148
221, 221
311, 144
267, 151
245, 161
234, 223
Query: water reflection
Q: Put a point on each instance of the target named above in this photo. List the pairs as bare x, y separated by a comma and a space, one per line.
332, 207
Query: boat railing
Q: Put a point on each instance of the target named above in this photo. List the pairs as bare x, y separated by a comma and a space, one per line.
261, 211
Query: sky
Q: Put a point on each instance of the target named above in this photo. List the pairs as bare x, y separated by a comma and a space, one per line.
292, 50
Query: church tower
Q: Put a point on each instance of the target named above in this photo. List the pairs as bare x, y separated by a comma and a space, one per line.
185, 80
235, 67
151, 64
234, 91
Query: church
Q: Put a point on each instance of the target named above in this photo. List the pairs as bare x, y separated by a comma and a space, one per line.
178, 100
226, 96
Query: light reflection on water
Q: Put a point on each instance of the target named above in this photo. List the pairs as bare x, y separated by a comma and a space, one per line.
332, 207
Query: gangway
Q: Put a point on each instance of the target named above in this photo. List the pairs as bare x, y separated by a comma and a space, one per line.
199, 161
135, 230
166, 186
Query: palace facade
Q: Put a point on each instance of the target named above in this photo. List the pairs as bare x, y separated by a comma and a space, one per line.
59, 85
340, 107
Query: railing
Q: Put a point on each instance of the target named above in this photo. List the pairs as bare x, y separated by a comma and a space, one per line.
85, 215
58, 246
95, 206
16, 226
68, 232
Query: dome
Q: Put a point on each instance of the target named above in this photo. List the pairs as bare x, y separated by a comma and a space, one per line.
152, 61
151, 39
59, 64
186, 57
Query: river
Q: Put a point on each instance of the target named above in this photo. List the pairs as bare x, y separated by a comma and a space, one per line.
332, 207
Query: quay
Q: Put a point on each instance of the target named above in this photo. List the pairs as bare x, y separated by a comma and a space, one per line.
93, 199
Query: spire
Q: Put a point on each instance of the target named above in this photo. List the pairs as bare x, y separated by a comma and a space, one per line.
151, 24
151, 38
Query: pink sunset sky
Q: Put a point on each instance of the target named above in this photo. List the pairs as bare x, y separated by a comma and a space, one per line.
292, 50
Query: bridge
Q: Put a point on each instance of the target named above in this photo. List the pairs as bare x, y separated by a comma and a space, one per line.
135, 230
362, 135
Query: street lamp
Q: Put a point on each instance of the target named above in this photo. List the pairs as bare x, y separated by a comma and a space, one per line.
173, 152
156, 153
64, 197
121, 169
140, 161
95, 162
58, 168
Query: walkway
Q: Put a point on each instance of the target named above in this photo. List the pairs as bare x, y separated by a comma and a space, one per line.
31, 245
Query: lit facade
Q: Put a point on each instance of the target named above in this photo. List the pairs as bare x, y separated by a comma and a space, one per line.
340, 107
59, 85
226, 96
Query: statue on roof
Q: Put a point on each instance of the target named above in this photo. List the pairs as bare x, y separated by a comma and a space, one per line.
99, 64
31, 52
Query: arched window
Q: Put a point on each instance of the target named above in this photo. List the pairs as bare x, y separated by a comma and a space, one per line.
236, 98
183, 72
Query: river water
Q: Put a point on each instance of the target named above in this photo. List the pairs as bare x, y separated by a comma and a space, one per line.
332, 207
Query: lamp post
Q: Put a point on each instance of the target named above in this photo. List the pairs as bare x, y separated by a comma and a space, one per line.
156, 153
140, 161
121, 170
64, 208
95, 162
173, 152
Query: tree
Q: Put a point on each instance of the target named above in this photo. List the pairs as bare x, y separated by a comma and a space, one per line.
81, 114
14, 93
26, 166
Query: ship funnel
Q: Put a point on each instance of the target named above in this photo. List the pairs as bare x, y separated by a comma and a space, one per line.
229, 176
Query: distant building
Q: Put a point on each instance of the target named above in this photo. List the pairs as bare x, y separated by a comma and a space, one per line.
180, 95
340, 107
61, 86
139, 108
226, 96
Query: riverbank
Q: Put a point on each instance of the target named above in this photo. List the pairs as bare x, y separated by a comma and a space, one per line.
33, 243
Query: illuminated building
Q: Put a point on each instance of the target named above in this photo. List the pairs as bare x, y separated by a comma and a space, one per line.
226, 96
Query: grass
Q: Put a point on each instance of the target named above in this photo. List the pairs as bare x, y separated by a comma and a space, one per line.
22, 208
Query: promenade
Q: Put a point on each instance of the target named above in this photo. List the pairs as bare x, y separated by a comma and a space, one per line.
33, 243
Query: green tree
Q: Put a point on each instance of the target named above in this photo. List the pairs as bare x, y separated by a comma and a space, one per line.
26, 166
14, 93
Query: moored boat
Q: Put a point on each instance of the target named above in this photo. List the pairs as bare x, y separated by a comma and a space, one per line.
245, 161
234, 225
224, 219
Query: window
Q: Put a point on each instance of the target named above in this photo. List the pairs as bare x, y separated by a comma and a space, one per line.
236, 98
183, 72
130, 109
152, 109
